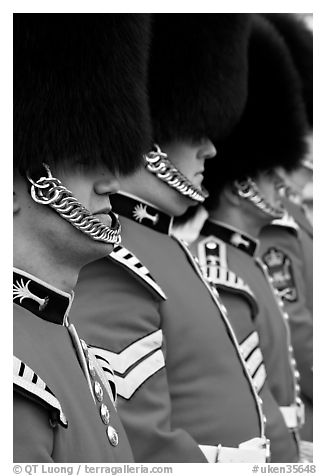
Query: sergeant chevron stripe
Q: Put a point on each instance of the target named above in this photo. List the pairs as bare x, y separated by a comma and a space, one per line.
250, 343
259, 377
136, 363
28, 382
129, 260
254, 359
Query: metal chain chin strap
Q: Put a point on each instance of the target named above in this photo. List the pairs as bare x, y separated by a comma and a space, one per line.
249, 190
50, 191
158, 163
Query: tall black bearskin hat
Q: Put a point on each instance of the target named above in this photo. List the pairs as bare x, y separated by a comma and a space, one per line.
197, 74
271, 131
80, 90
299, 40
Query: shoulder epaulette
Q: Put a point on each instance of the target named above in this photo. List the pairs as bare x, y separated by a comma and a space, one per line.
212, 257
287, 221
136, 363
29, 384
126, 258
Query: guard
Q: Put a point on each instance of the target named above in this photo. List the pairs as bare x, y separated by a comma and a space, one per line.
243, 198
186, 394
293, 237
73, 111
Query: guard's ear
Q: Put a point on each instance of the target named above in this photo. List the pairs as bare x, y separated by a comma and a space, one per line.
231, 195
16, 206
17, 193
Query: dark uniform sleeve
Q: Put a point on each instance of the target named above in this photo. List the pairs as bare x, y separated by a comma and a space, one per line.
119, 315
33, 435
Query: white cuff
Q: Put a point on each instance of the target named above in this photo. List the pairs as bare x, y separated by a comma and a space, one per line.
293, 415
252, 451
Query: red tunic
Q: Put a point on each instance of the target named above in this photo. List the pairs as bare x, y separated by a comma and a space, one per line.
181, 378
56, 419
293, 277
236, 251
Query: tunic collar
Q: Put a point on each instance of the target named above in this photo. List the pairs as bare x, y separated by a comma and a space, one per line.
142, 212
40, 298
230, 235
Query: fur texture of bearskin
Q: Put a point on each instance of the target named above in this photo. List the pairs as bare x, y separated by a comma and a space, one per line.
299, 40
80, 89
272, 129
197, 74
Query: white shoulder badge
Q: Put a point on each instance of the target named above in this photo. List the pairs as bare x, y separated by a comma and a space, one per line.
27, 382
287, 221
212, 256
130, 261
136, 363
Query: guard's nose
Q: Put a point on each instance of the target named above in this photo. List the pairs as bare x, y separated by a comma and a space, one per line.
207, 149
107, 185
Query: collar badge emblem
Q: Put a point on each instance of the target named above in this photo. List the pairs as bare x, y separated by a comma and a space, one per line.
21, 292
237, 240
140, 212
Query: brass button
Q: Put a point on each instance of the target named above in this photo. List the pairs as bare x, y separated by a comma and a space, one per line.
105, 414
98, 391
91, 369
112, 435
297, 374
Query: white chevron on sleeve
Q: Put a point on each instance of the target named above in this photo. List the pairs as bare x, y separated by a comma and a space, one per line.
133, 353
127, 385
255, 360
260, 377
249, 343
